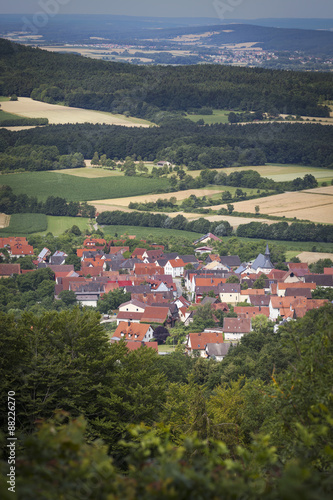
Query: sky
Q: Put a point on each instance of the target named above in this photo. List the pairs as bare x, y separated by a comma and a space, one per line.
223, 9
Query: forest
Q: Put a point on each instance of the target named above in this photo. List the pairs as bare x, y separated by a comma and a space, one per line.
177, 140
146, 91
257, 425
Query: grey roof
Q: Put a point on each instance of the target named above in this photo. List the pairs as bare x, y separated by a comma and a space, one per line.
319, 279
170, 256
298, 292
259, 300
263, 261
237, 325
230, 260
229, 288
218, 349
208, 300
189, 259
129, 263
138, 289
241, 268
57, 261
162, 262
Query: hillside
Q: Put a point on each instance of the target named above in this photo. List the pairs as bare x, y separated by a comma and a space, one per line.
145, 91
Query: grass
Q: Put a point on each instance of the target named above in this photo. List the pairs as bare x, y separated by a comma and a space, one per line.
44, 184
24, 224
8, 116
218, 116
166, 348
143, 232
58, 225
3, 98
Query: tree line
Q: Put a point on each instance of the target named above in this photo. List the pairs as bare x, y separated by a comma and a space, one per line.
37, 157
182, 142
11, 203
297, 231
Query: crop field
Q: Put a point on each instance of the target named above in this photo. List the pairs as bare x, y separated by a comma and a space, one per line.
4, 220
90, 172
305, 205
179, 195
44, 184
56, 114
278, 172
23, 224
311, 257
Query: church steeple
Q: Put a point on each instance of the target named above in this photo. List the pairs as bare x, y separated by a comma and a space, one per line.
267, 252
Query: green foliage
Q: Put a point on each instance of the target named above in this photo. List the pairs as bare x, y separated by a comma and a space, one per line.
112, 300
318, 267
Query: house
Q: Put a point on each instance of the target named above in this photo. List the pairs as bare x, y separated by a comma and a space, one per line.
20, 250
230, 293
42, 256
175, 268
152, 255
236, 328
163, 163
88, 292
202, 250
251, 311
8, 270
206, 238
134, 331
250, 292
134, 345
132, 306
155, 314
138, 253
185, 315
217, 351
230, 261
322, 280
283, 287
198, 341
280, 306
147, 269
94, 242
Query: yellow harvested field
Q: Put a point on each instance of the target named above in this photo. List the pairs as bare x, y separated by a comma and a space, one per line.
57, 114
301, 204
328, 190
4, 220
89, 172
233, 221
311, 257
179, 195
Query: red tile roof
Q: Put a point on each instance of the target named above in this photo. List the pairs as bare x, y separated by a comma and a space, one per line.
132, 331
198, 341
154, 314
237, 325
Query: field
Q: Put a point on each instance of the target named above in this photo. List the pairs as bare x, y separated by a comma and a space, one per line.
218, 116
311, 257
23, 224
57, 114
90, 172
44, 184
144, 232
308, 205
8, 116
278, 172
179, 195
58, 225
4, 220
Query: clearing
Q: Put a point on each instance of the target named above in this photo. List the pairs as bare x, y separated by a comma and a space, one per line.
56, 114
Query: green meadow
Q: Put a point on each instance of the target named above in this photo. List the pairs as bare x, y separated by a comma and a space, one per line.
144, 232
218, 116
72, 188
24, 224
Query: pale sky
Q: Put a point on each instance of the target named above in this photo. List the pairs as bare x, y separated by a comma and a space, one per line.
227, 9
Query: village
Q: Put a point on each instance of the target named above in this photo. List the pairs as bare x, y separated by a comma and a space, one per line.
166, 290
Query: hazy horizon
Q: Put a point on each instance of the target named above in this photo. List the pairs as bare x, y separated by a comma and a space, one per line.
219, 9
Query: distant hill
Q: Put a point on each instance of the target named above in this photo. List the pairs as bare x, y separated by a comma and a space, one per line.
312, 36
